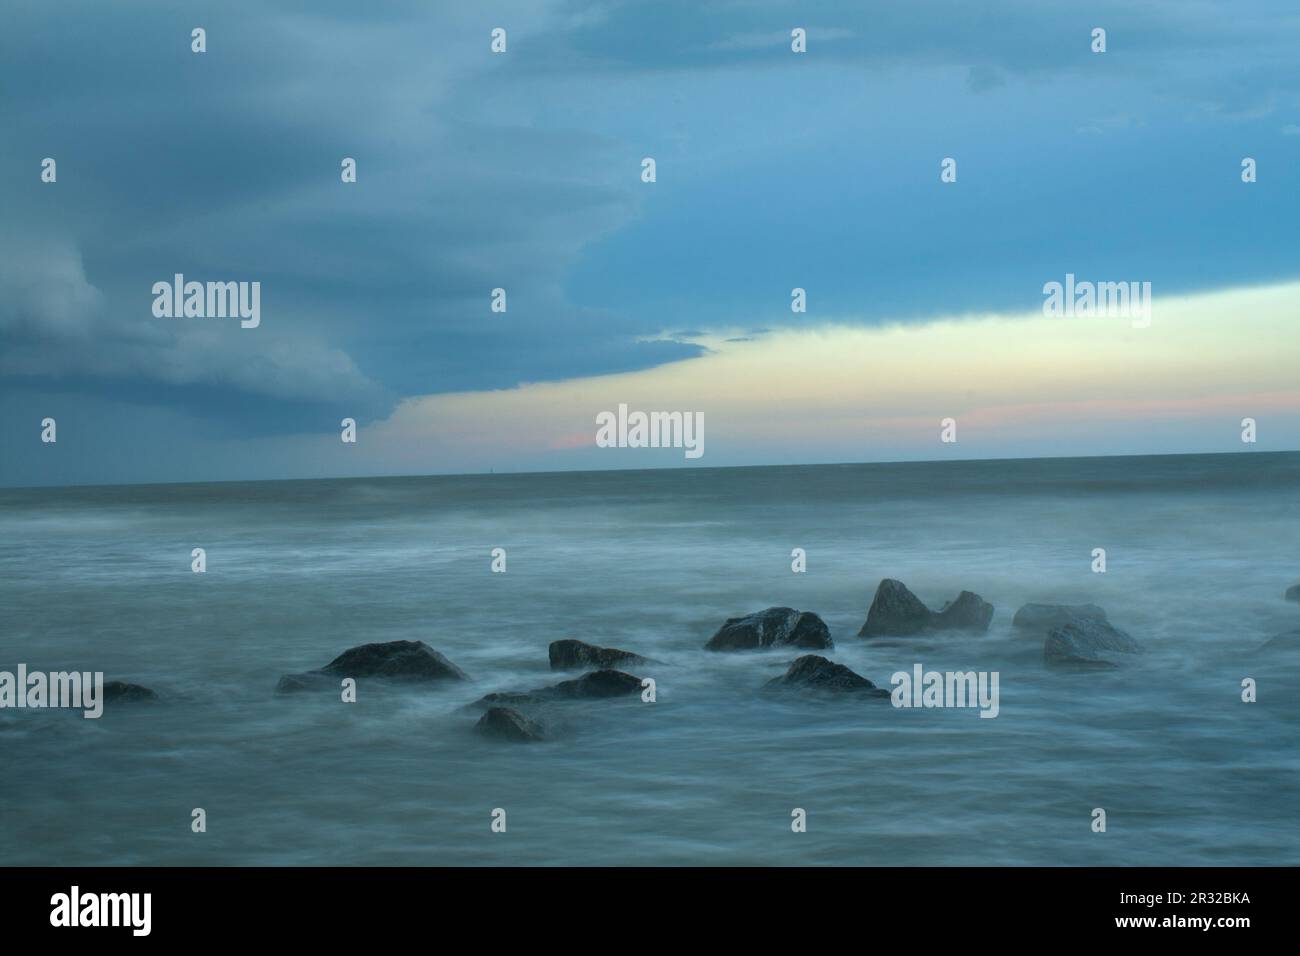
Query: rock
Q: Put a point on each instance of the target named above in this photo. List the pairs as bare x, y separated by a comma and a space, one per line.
593, 686
897, 612
969, 612
394, 660
775, 627
812, 672
570, 653
1088, 643
506, 723
1293, 593
506, 699
597, 684
1045, 617
117, 691
312, 680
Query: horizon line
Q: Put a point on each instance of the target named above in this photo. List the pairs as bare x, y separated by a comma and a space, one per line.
672, 468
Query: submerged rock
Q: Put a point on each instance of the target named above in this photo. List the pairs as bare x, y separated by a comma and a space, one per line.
897, 612
774, 627
1293, 593
1088, 643
593, 686
569, 653
812, 672
1045, 617
311, 680
118, 691
1286, 641
506, 723
597, 684
393, 660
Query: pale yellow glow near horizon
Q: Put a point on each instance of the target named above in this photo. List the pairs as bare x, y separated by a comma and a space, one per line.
1206, 354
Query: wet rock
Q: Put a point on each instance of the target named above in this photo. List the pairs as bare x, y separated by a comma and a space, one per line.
597, 684
774, 627
1293, 593
593, 686
117, 691
969, 612
569, 654
1084, 642
393, 660
815, 673
507, 699
897, 612
506, 723
1044, 617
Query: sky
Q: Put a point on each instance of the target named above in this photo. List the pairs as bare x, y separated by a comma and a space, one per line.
522, 170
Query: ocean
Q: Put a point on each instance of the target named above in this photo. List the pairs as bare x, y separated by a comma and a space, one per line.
1199, 551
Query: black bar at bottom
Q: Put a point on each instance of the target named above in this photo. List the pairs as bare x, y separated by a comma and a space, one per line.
335, 905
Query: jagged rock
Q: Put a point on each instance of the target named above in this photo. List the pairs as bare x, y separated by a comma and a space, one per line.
969, 612
1293, 593
1044, 617
506, 723
1085, 642
812, 672
569, 653
592, 686
897, 612
774, 627
393, 660
117, 691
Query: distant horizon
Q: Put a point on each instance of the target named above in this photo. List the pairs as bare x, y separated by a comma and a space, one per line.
663, 468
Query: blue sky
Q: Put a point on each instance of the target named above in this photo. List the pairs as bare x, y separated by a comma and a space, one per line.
521, 170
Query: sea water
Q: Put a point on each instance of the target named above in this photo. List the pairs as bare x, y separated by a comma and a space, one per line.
1199, 550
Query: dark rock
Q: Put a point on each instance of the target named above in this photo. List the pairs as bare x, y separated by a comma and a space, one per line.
775, 627
969, 612
117, 691
1044, 617
506, 723
396, 660
570, 653
393, 660
812, 672
1293, 593
895, 611
507, 699
1085, 642
593, 686
597, 684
